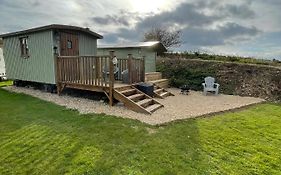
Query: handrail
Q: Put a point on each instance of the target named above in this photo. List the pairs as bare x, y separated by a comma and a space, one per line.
103, 56
135, 68
98, 70
86, 70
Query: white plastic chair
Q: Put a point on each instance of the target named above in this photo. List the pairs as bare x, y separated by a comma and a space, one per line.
210, 86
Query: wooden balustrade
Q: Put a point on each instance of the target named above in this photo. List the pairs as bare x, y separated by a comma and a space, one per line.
122, 65
86, 70
135, 67
97, 71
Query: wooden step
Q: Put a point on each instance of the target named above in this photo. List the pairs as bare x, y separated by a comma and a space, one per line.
165, 94
158, 90
163, 83
145, 102
128, 92
150, 76
123, 88
136, 97
161, 92
139, 102
153, 107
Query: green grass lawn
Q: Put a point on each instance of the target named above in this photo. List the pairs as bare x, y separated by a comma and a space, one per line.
38, 137
6, 83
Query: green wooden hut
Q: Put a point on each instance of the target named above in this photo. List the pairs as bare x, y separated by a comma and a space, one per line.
60, 56
30, 54
147, 49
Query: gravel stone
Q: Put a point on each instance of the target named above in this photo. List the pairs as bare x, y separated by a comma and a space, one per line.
175, 107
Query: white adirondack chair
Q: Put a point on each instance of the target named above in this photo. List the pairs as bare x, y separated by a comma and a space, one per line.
210, 86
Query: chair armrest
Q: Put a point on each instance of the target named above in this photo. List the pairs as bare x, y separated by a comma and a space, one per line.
217, 85
203, 84
116, 69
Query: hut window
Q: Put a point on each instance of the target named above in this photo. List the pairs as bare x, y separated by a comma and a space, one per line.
69, 44
24, 47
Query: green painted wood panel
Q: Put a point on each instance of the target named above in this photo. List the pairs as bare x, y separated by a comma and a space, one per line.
39, 67
150, 60
87, 45
150, 56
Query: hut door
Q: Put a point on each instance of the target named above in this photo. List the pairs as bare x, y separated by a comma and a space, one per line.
69, 45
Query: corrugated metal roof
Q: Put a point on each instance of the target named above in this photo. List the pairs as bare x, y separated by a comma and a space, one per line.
53, 26
157, 44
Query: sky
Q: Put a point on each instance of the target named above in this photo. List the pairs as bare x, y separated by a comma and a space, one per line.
228, 27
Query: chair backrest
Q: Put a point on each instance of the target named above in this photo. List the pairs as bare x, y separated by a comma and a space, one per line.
209, 81
106, 69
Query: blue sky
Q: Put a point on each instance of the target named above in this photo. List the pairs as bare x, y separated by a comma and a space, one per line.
232, 27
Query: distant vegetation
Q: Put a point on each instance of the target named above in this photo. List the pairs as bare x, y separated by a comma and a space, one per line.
236, 59
168, 38
235, 78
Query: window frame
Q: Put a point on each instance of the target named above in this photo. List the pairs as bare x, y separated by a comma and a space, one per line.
69, 43
24, 49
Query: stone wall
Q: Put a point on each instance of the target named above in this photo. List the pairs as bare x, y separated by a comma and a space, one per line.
234, 78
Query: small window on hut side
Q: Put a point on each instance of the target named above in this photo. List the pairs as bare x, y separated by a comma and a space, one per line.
69, 44
24, 47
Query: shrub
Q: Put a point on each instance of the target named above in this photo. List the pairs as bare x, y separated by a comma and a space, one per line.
180, 75
235, 79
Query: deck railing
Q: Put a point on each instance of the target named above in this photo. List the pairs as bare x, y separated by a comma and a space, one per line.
134, 67
98, 71
86, 70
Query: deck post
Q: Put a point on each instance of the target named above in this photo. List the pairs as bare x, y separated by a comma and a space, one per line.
130, 68
143, 69
111, 77
57, 74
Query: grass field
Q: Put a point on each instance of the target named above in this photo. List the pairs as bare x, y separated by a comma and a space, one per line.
38, 137
6, 83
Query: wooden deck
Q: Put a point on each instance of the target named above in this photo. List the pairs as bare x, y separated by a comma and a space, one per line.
98, 73
119, 84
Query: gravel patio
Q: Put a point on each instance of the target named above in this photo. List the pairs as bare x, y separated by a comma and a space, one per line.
175, 107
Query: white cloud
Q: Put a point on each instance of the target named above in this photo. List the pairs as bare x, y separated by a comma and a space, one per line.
200, 17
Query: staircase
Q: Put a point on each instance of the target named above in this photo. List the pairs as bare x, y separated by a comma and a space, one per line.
156, 79
160, 92
136, 100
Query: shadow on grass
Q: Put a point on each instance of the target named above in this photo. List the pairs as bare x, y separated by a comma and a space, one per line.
39, 134
42, 138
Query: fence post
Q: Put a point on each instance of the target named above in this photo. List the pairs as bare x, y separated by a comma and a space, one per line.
130, 69
57, 78
143, 69
111, 77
